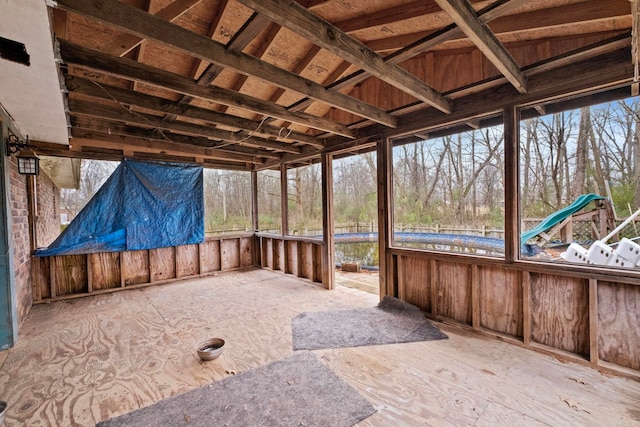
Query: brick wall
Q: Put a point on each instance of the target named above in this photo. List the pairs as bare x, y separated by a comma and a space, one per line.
48, 211
20, 235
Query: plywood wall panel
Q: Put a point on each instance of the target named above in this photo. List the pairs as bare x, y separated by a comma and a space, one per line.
135, 267
292, 257
187, 260
69, 274
453, 288
414, 283
247, 251
230, 254
210, 256
306, 262
267, 248
619, 324
560, 312
317, 263
500, 300
162, 263
41, 278
105, 270
280, 259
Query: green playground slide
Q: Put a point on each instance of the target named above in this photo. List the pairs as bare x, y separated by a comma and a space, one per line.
559, 216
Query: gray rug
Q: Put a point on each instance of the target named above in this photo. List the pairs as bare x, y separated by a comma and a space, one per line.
392, 321
296, 391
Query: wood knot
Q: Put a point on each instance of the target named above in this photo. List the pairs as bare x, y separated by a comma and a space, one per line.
331, 35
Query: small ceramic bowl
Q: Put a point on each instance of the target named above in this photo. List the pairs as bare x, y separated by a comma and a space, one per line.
210, 349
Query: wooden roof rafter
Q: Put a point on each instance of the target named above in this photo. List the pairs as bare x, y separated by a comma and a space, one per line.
320, 32
136, 21
132, 70
465, 17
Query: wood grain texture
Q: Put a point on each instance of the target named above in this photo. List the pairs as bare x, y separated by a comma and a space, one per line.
267, 249
210, 256
500, 300
230, 253
454, 291
619, 324
187, 260
135, 267
247, 251
292, 258
560, 312
68, 274
41, 278
414, 279
105, 270
162, 263
82, 361
306, 263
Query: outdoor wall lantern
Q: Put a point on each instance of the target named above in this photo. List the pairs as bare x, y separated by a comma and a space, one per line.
28, 162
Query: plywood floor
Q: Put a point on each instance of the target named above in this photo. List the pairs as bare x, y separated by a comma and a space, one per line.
89, 359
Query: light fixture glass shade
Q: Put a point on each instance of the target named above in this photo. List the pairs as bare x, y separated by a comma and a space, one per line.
28, 163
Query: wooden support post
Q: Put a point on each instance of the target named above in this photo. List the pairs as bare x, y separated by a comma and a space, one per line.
89, 261
526, 308
328, 253
254, 201
475, 297
593, 321
284, 199
284, 209
433, 288
257, 250
511, 194
385, 218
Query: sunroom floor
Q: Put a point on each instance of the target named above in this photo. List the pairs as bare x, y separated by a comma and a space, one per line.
81, 361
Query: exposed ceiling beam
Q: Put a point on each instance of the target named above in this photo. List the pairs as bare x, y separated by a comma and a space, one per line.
390, 15
84, 127
121, 114
88, 88
298, 19
114, 154
120, 142
422, 45
127, 42
465, 17
135, 71
136, 21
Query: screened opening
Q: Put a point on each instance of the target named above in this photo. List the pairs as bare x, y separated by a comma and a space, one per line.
448, 193
227, 201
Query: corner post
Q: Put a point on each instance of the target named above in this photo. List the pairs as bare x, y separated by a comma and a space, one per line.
328, 254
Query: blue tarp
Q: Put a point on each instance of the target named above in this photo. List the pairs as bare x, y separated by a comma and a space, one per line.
142, 205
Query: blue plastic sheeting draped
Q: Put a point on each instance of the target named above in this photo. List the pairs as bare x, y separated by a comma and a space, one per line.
141, 206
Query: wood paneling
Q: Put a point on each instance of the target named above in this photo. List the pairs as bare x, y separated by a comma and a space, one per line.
210, 256
246, 251
105, 270
69, 275
162, 263
414, 282
135, 267
230, 253
268, 253
306, 262
453, 289
292, 258
619, 324
41, 278
560, 312
187, 260
500, 300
